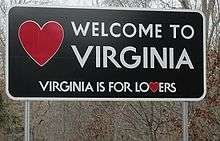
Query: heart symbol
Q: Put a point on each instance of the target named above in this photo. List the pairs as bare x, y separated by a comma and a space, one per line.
41, 43
154, 86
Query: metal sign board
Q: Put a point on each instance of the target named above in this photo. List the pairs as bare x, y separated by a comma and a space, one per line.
105, 54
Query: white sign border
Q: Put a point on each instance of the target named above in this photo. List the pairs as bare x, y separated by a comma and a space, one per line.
107, 99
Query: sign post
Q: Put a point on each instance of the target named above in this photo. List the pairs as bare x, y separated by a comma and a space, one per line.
185, 121
27, 121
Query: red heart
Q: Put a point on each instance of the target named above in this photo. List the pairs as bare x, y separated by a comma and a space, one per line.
41, 43
154, 86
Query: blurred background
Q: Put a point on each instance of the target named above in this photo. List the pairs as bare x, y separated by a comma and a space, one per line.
118, 121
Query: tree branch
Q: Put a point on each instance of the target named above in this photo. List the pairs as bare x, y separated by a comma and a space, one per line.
167, 4
185, 4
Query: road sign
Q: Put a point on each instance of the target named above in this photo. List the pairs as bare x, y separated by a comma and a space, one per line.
105, 54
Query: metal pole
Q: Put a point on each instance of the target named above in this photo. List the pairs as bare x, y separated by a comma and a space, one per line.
185, 122
27, 121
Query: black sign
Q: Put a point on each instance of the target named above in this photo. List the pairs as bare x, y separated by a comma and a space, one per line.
105, 54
